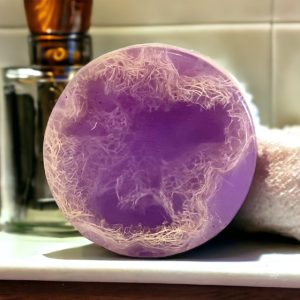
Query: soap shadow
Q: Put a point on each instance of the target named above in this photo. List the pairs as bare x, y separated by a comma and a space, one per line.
233, 246
229, 246
86, 252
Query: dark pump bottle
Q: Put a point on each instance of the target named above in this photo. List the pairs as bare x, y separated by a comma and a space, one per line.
58, 47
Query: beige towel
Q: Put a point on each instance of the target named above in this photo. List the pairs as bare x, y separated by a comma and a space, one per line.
273, 203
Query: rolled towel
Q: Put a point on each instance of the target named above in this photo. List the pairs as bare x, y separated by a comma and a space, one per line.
273, 203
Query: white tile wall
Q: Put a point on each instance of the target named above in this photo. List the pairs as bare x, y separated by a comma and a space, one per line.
13, 47
253, 39
286, 10
286, 81
11, 13
157, 12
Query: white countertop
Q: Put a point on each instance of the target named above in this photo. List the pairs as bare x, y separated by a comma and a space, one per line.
263, 261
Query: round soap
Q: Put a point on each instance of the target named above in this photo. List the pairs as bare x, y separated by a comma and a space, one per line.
150, 150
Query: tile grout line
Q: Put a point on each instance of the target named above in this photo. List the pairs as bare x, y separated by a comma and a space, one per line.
187, 25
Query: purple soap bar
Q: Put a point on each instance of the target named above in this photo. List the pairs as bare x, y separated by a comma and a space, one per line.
150, 150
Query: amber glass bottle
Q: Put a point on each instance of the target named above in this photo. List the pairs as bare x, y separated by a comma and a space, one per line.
58, 47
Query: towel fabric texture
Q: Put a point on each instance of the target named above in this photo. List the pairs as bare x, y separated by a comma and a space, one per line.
273, 202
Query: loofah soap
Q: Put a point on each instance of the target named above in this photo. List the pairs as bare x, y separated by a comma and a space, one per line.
150, 150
